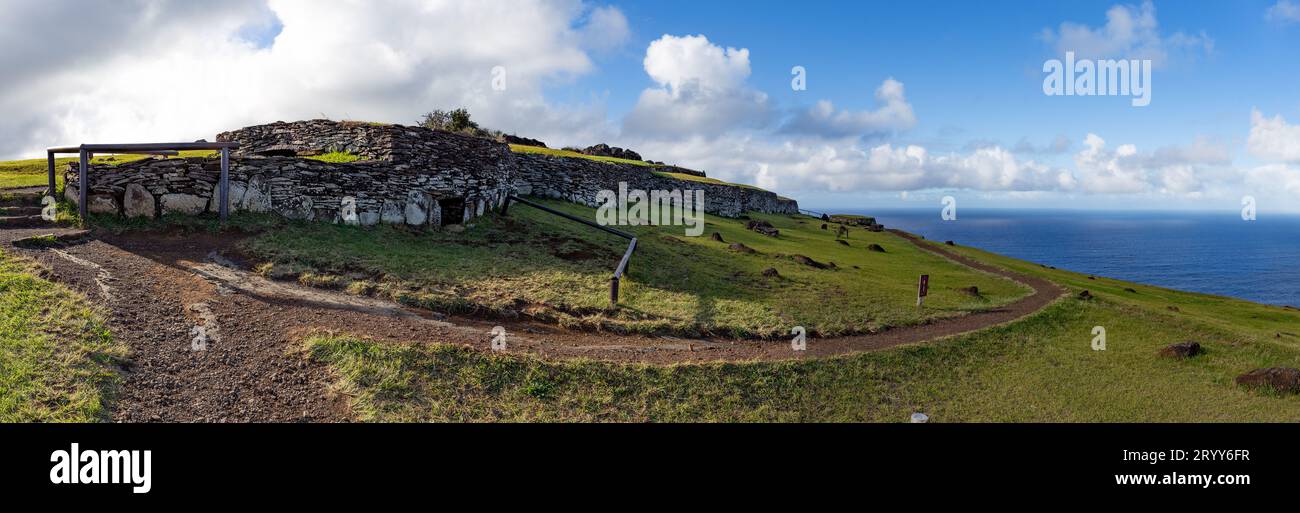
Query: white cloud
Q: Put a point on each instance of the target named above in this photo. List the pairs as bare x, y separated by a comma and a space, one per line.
179, 70
701, 90
1273, 138
1174, 170
1283, 12
1130, 32
894, 115
812, 165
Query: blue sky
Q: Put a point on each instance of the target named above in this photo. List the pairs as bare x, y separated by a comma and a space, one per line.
973, 69
907, 102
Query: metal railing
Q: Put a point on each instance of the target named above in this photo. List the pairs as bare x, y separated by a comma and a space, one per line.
619, 271
88, 151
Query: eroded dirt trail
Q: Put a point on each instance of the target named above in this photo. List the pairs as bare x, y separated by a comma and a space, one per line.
213, 342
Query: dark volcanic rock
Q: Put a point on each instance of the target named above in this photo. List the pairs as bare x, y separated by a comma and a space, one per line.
763, 227
809, 262
514, 139
605, 150
1281, 379
1181, 350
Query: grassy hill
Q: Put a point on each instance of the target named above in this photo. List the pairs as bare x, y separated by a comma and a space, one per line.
1039, 369
538, 264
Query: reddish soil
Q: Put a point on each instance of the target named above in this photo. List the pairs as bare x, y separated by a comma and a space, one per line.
162, 291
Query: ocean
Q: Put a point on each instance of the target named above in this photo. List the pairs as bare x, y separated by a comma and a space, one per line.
1210, 252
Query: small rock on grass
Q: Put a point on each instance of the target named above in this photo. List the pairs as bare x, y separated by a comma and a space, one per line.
877, 248
1181, 350
842, 241
1085, 295
808, 261
741, 248
770, 272
717, 237
1281, 379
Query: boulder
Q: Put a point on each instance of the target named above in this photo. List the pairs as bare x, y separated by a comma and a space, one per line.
770, 272
392, 213
809, 262
71, 193
1085, 295
298, 208
1181, 350
717, 237
138, 202
187, 204
876, 247
1281, 379
741, 248
763, 227
842, 241
102, 204
949, 243
970, 291
368, 218
417, 208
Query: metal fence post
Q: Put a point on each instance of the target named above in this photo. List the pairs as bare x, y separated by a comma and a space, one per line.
49, 156
225, 184
83, 184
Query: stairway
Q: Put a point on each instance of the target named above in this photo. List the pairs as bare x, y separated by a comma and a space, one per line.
21, 208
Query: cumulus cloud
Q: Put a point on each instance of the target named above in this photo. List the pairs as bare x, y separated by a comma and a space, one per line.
1130, 32
1273, 138
1283, 12
168, 70
894, 115
1177, 170
700, 90
815, 165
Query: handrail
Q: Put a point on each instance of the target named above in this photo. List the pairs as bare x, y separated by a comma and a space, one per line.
619, 271
86, 151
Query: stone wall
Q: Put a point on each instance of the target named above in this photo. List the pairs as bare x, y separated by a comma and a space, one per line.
579, 180
407, 175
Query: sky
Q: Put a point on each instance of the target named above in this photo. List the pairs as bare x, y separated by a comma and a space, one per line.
905, 102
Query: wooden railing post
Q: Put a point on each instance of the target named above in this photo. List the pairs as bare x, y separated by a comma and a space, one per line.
83, 184
49, 157
224, 192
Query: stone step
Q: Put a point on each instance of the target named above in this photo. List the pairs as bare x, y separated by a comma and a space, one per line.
22, 221
20, 211
20, 199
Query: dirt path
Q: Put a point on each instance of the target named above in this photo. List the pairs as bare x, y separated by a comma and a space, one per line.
212, 342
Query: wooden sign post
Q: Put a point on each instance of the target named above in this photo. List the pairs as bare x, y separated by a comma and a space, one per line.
922, 290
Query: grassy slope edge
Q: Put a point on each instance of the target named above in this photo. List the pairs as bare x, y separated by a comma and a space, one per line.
57, 359
1039, 369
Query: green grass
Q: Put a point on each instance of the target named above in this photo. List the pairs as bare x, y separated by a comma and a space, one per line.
522, 148
33, 172
554, 269
1039, 369
336, 157
705, 179
57, 359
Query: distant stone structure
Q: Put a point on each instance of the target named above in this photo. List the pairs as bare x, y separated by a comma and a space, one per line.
406, 175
